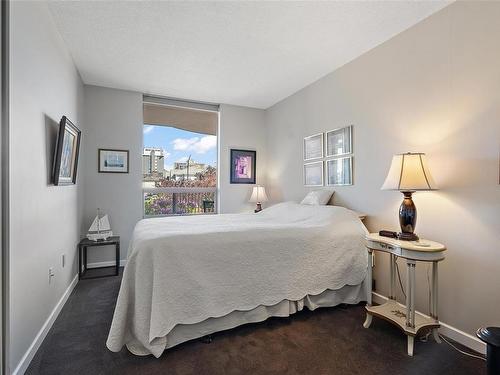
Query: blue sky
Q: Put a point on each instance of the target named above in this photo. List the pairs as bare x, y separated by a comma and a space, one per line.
179, 144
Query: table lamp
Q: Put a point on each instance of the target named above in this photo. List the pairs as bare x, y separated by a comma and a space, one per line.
408, 173
258, 196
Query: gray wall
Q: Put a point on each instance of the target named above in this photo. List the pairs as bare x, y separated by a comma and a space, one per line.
434, 88
240, 128
45, 219
114, 120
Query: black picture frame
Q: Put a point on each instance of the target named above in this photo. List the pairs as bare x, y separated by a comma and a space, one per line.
101, 168
236, 158
62, 173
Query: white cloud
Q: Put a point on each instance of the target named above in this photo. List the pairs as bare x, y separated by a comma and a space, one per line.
195, 144
182, 160
148, 129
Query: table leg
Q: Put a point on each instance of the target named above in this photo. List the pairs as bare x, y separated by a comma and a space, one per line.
413, 287
391, 268
85, 258
434, 300
368, 280
79, 262
411, 342
408, 294
410, 302
117, 258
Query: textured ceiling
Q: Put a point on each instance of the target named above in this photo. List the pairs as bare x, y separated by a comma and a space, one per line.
246, 53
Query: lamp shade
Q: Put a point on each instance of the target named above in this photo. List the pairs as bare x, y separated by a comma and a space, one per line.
258, 194
409, 172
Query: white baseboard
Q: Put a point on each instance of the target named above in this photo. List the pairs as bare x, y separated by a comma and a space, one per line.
35, 345
447, 330
110, 263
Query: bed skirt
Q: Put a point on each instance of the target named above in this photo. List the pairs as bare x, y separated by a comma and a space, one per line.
350, 294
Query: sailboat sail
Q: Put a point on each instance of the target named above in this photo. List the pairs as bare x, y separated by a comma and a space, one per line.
104, 223
101, 224
95, 224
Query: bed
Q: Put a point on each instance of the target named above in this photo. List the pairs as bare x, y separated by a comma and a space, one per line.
187, 277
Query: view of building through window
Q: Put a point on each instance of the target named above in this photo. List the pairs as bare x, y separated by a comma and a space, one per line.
179, 171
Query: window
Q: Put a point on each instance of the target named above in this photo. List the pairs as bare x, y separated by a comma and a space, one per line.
179, 170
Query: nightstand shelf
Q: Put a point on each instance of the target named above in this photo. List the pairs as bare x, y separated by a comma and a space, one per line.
395, 312
405, 316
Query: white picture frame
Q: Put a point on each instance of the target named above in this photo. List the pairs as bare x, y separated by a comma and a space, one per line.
313, 174
313, 147
339, 171
338, 142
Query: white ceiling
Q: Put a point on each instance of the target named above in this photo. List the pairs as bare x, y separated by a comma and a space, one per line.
245, 53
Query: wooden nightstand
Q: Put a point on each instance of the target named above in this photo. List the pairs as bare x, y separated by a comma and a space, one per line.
404, 316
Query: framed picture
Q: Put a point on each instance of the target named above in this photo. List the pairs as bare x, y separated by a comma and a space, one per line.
313, 174
339, 141
66, 153
313, 147
243, 166
339, 171
113, 161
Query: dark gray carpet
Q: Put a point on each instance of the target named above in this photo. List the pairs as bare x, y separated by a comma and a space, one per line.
326, 341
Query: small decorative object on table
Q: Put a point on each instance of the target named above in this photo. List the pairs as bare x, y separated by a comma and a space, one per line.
393, 311
82, 256
258, 196
408, 174
99, 229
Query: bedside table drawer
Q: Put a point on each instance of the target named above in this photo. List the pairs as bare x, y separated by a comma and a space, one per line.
385, 247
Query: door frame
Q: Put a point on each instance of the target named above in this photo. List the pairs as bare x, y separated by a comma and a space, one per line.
4, 179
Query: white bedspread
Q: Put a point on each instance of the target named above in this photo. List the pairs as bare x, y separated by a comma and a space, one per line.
183, 270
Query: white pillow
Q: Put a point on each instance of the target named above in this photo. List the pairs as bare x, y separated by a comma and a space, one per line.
318, 197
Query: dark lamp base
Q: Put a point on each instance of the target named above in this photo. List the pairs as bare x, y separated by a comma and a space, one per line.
407, 236
407, 218
258, 208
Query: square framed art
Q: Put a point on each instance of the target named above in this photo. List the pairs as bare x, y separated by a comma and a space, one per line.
113, 161
313, 147
339, 141
243, 166
339, 171
313, 174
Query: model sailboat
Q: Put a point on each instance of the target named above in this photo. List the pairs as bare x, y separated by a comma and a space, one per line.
100, 229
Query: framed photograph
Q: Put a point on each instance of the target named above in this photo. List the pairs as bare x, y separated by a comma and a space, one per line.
339, 142
113, 161
313, 147
66, 153
243, 166
339, 171
313, 174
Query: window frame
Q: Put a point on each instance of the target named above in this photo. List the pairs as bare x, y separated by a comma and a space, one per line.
215, 190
